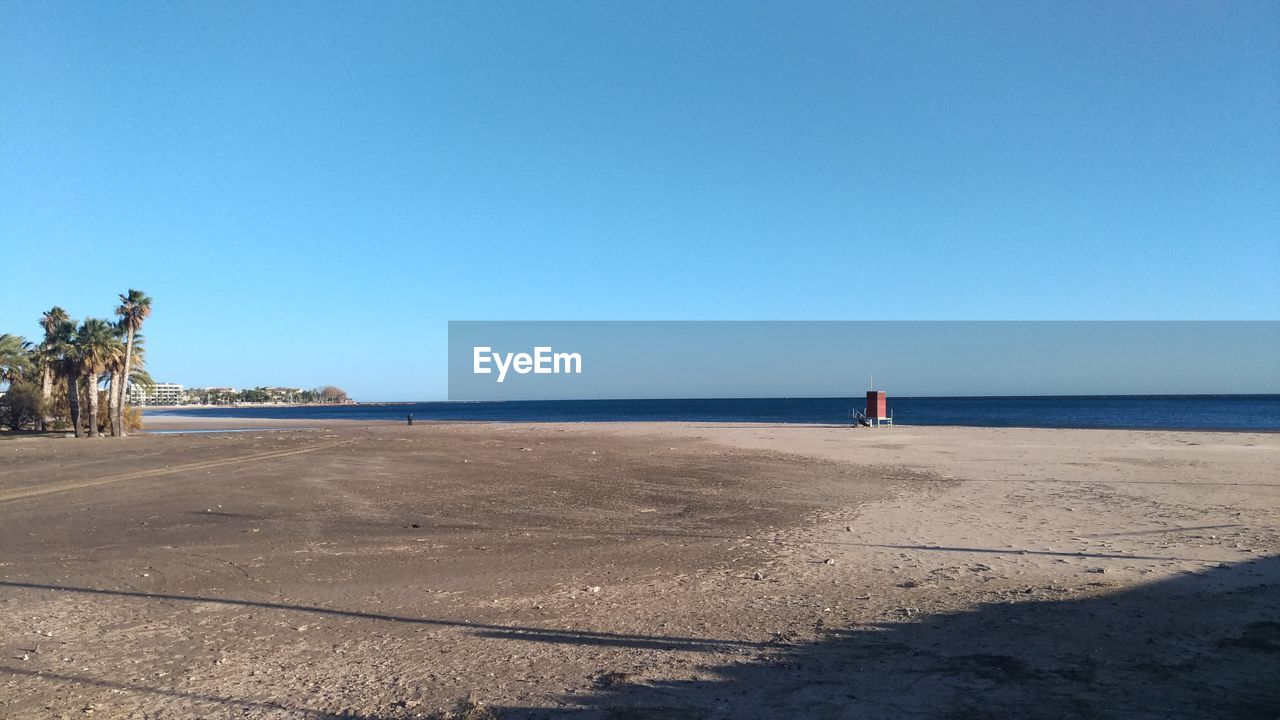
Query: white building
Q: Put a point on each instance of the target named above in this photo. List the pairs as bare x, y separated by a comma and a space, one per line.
158, 394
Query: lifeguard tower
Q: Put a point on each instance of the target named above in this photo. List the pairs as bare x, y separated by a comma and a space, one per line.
876, 414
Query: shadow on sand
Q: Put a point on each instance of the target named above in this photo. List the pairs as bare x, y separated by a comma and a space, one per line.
1203, 645
486, 630
1196, 646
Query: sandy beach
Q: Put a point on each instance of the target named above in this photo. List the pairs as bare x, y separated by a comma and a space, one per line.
336, 570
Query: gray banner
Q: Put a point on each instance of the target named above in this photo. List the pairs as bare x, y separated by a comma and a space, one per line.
536, 360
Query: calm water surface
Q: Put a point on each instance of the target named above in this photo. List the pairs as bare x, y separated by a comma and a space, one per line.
1166, 412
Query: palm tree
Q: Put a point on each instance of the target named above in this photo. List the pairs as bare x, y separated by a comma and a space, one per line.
59, 352
134, 308
15, 358
115, 374
48, 355
95, 343
118, 386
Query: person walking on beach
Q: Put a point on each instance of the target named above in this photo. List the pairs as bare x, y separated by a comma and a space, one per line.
409, 419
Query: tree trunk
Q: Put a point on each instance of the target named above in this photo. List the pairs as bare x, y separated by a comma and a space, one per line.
46, 396
124, 395
91, 383
113, 405
73, 399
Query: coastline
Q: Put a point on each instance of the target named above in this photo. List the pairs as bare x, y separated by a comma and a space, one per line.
201, 406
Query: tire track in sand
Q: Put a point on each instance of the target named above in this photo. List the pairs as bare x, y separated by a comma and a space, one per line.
30, 492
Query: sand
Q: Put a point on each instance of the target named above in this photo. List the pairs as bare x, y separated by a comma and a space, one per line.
326, 569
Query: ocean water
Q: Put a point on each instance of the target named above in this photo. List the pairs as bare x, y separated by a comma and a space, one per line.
1162, 412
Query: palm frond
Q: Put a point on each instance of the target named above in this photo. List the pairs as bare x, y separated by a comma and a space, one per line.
15, 357
141, 378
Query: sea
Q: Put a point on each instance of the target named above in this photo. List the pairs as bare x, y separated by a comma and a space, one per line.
1148, 412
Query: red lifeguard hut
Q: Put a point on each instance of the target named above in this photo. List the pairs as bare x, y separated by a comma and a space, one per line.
877, 412
877, 405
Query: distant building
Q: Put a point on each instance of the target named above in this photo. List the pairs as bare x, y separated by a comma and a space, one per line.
158, 394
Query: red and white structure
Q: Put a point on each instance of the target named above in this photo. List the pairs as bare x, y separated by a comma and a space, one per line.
877, 412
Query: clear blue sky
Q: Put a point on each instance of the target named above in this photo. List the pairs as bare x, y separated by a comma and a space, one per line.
311, 190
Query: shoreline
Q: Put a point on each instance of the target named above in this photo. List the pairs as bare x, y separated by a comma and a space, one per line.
168, 421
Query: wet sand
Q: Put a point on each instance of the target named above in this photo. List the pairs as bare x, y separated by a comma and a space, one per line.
327, 569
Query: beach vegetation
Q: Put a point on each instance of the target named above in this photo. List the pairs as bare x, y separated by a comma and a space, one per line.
20, 406
15, 357
93, 348
332, 394
76, 376
134, 308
